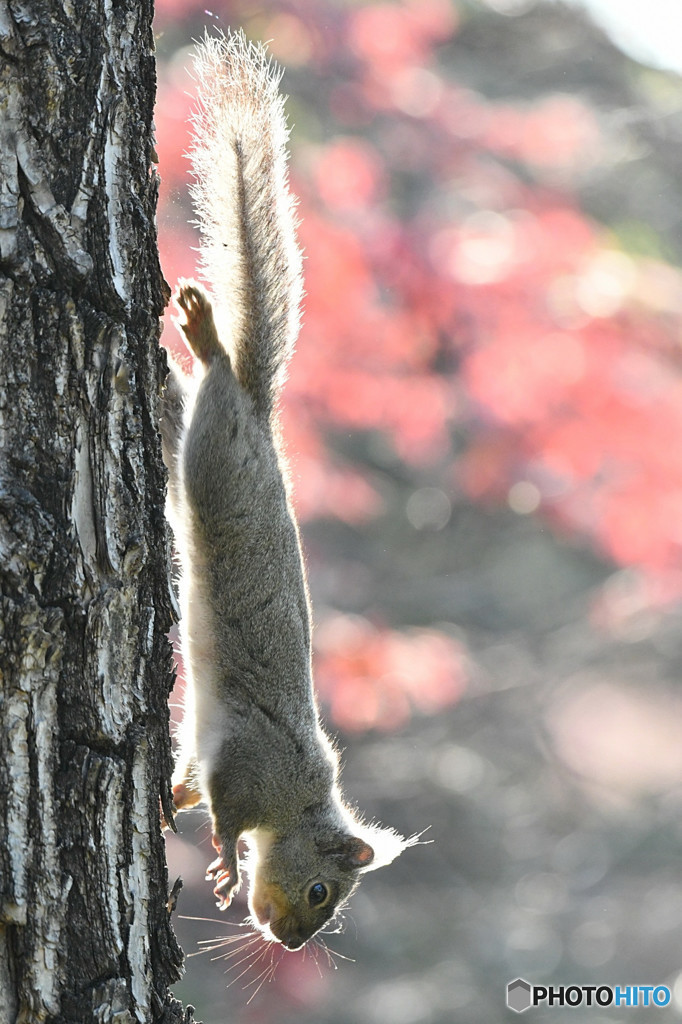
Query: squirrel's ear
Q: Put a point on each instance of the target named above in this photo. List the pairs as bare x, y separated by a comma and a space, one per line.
356, 854
386, 845
353, 853
374, 847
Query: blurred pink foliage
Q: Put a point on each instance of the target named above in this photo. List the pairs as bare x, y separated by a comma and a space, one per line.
453, 283
375, 678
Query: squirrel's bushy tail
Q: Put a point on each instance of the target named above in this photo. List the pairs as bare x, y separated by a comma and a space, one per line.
249, 251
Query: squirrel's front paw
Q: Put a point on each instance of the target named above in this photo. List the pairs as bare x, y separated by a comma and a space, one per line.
224, 871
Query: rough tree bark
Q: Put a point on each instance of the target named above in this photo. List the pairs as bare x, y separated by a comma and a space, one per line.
84, 660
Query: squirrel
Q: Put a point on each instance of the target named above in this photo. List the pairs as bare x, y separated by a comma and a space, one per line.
252, 746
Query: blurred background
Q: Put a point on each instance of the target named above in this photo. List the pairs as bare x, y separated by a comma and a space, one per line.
484, 422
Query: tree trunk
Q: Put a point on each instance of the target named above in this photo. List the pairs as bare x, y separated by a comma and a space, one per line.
85, 666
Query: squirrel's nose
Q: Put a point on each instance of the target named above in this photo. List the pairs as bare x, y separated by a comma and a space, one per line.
288, 934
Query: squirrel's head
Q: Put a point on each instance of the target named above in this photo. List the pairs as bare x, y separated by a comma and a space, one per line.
299, 881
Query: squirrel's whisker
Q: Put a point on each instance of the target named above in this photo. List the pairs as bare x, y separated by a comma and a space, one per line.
267, 975
225, 940
248, 967
248, 945
335, 953
314, 952
265, 970
217, 920
238, 940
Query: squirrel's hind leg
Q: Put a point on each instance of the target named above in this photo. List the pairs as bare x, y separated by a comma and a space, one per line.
196, 322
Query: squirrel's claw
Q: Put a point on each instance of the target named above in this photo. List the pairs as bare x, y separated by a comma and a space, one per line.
226, 878
215, 868
225, 882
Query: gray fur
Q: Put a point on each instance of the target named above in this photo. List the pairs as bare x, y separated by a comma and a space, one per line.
252, 746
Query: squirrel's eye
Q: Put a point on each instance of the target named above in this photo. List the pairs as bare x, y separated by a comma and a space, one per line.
317, 894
